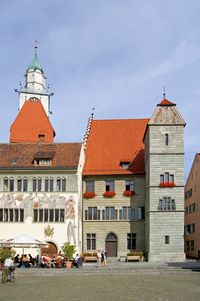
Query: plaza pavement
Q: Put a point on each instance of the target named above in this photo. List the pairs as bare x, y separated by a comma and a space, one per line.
118, 281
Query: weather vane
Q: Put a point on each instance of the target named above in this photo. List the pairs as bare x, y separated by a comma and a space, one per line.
164, 92
36, 45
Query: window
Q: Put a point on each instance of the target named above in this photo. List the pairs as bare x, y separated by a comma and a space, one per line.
166, 177
51, 184
11, 184
167, 239
192, 208
10, 215
92, 214
125, 164
188, 193
189, 229
46, 184
89, 186
61, 184
109, 185
166, 139
19, 184
48, 215
25, 184
125, 213
91, 241
129, 185
37, 184
140, 212
110, 213
131, 241
190, 245
5, 184
167, 204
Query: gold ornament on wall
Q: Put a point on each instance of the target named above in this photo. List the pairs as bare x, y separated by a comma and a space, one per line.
48, 231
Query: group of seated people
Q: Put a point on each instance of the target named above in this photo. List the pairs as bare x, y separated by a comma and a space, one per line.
45, 261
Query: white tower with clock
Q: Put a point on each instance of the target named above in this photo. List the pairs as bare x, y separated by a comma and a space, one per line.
34, 87
164, 165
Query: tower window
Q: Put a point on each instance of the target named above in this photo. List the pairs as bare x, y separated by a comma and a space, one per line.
167, 239
166, 139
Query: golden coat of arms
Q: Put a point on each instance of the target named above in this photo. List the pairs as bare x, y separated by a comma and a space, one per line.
48, 231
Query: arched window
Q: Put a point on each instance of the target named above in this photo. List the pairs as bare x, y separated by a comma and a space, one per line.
51, 184
58, 184
5, 184
11, 184
34, 184
46, 184
39, 184
25, 184
63, 184
19, 184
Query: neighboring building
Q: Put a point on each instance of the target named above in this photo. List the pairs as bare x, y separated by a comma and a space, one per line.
192, 209
40, 182
133, 184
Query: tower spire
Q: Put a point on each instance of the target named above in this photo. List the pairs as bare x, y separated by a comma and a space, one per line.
164, 94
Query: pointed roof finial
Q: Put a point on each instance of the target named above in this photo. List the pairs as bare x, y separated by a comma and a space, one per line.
35, 63
36, 46
92, 114
164, 92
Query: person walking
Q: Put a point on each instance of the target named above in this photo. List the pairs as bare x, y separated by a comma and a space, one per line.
99, 257
5, 271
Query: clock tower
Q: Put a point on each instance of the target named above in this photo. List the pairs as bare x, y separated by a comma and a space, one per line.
164, 166
35, 86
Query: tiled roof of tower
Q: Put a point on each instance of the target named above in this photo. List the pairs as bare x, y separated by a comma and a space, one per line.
32, 124
166, 102
112, 142
22, 155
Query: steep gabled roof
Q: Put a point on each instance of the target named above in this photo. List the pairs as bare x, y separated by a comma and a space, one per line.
112, 142
32, 124
22, 155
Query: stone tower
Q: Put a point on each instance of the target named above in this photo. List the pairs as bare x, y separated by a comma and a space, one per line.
35, 86
164, 165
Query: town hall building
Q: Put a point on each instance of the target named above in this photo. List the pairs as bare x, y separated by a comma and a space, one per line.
121, 190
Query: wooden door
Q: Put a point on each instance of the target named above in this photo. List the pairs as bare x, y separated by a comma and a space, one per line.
50, 251
111, 245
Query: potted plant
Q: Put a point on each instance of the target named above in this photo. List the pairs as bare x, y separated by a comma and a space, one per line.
6, 253
69, 251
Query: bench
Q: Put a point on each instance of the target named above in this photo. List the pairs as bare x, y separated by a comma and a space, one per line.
90, 259
134, 258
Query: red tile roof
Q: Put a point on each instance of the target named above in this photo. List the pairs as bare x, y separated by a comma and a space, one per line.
30, 123
22, 155
113, 141
166, 102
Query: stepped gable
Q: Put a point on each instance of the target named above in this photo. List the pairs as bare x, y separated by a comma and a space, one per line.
32, 124
114, 144
22, 155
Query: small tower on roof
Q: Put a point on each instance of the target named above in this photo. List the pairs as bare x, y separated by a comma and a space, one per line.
35, 85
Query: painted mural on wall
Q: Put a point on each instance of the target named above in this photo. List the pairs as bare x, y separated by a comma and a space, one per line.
47, 201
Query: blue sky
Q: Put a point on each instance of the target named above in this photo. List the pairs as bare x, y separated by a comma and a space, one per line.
114, 55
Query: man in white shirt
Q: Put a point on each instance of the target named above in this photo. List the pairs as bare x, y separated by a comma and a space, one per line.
5, 271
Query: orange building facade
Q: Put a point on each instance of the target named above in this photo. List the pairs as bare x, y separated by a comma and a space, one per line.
192, 209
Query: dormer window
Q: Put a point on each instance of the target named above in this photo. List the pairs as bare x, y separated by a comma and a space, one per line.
43, 158
42, 162
125, 163
41, 137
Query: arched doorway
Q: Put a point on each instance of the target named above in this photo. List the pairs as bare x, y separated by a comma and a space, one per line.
51, 250
111, 245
